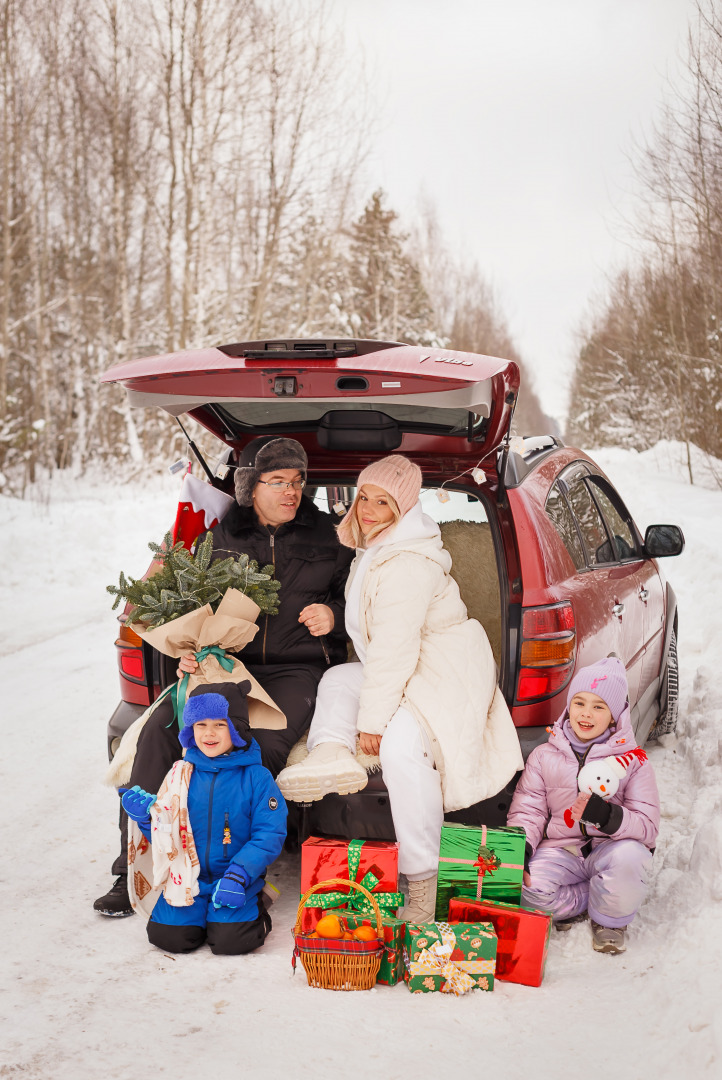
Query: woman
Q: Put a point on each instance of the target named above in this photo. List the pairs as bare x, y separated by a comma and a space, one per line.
423, 695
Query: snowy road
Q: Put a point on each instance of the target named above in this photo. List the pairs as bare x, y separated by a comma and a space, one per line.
86, 997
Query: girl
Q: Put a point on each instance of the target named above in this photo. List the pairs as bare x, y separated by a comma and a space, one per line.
589, 848
423, 695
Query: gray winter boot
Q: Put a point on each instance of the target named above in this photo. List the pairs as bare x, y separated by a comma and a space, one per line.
609, 939
329, 767
421, 907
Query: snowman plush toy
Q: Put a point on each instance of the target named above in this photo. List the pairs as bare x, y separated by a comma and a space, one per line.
599, 780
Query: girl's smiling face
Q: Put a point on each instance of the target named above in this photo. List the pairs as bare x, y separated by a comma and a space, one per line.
372, 508
589, 716
212, 737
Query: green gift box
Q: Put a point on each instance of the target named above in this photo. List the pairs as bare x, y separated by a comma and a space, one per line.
392, 962
479, 863
452, 959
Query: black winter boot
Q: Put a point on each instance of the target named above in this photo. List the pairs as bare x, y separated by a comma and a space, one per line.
116, 902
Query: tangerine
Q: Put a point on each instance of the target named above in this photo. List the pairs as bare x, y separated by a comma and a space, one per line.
329, 926
364, 933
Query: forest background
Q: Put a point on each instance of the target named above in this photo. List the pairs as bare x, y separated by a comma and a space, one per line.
176, 174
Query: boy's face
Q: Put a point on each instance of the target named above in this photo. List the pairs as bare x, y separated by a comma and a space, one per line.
589, 715
212, 737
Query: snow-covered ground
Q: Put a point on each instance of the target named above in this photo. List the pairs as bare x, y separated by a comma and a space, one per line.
86, 997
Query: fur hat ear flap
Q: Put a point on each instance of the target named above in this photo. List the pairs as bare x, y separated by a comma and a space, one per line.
245, 480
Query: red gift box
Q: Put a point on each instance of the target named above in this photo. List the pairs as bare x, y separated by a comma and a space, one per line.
322, 859
523, 936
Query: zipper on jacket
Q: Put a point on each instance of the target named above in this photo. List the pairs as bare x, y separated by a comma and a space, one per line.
325, 650
210, 824
582, 762
226, 837
272, 539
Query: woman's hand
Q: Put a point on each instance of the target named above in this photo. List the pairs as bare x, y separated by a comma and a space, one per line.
527, 879
318, 619
369, 744
186, 665
579, 806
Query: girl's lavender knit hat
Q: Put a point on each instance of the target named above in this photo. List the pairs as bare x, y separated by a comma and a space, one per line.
607, 679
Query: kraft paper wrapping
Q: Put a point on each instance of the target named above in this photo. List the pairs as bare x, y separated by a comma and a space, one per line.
230, 628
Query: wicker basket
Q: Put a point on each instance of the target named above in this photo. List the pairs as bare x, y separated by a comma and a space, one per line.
339, 965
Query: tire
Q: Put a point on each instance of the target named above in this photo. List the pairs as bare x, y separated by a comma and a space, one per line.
669, 699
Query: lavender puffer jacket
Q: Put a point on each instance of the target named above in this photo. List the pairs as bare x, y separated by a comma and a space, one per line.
548, 787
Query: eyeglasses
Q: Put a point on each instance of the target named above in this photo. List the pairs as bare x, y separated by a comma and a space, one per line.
279, 485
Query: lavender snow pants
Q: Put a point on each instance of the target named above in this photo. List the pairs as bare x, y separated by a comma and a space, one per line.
610, 883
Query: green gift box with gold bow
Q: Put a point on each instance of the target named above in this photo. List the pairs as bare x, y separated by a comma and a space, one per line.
392, 962
480, 863
451, 959
371, 863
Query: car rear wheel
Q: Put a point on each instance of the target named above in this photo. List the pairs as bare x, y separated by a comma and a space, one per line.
667, 722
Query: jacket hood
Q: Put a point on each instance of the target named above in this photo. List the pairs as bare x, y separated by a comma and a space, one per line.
236, 759
621, 739
415, 531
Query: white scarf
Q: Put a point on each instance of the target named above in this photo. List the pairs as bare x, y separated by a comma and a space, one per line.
169, 864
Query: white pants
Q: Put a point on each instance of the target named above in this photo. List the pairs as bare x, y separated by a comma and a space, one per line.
413, 783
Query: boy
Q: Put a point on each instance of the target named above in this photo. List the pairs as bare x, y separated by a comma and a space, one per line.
217, 822
589, 852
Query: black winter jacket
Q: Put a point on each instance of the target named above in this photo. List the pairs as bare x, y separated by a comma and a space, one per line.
312, 567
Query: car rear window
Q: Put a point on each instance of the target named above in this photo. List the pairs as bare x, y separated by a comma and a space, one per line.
277, 415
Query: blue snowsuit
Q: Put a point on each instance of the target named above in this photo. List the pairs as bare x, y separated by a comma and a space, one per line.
234, 792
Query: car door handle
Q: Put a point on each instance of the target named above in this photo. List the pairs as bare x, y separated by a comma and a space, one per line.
618, 610
643, 594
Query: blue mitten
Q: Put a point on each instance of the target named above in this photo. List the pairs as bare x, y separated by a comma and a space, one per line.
137, 804
230, 890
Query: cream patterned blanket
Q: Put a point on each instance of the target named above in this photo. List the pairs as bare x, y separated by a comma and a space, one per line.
168, 865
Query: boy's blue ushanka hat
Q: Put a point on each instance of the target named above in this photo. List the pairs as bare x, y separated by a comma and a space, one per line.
210, 706
607, 679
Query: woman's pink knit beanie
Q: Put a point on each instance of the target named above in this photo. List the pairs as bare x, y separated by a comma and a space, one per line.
398, 476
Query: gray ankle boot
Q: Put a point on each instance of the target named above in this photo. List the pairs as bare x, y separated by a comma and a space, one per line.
422, 901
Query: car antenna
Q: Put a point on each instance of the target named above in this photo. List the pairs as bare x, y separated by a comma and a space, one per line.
196, 451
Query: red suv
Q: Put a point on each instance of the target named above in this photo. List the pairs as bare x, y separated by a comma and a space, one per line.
546, 554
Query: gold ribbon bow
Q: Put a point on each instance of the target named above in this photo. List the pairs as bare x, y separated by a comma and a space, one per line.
438, 956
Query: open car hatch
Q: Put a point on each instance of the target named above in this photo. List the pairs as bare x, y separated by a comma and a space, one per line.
352, 394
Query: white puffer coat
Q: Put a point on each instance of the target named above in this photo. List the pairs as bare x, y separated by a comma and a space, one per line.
420, 650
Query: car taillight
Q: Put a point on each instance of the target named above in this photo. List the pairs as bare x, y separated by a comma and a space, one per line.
130, 654
548, 644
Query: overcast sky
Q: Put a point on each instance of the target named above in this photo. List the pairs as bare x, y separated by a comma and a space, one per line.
517, 118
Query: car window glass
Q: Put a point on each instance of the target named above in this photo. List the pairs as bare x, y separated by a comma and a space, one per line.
563, 521
460, 506
596, 542
623, 538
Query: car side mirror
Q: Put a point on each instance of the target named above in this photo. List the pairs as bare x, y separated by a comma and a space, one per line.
663, 540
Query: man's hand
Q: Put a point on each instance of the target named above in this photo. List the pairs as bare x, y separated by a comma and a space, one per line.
579, 805
369, 744
187, 665
318, 619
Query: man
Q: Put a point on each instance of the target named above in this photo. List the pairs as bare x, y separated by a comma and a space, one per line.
272, 522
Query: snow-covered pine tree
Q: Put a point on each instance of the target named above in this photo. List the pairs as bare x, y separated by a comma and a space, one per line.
388, 299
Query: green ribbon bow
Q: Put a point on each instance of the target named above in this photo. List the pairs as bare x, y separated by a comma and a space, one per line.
356, 901
179, 691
